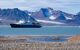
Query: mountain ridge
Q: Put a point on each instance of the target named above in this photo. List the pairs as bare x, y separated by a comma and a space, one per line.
8, 16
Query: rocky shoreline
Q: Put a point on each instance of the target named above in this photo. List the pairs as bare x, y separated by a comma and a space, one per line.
7, 43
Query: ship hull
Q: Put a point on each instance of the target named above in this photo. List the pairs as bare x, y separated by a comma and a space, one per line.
24, 26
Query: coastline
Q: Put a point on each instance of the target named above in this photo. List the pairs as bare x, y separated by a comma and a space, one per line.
11, 44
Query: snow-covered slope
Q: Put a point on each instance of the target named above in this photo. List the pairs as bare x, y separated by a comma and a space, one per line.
50, 22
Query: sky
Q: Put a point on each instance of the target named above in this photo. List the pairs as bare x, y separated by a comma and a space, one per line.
69, 6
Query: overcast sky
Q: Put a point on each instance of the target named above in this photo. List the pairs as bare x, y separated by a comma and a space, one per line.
70, 6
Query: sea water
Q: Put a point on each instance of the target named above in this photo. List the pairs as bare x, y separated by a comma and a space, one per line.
48, 31
45, 30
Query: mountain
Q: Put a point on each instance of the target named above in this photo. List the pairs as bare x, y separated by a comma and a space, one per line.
46, 16
49, 16
12, 15
77, 18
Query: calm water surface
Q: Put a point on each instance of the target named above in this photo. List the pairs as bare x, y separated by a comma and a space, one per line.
45, 30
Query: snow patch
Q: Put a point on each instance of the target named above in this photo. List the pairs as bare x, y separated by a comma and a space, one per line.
52, 22
1, 19
29, 14
68, 18
52, 17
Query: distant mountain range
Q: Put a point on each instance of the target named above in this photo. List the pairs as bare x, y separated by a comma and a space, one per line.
46, 16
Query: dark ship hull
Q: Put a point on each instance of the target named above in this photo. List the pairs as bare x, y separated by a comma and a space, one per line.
24, 26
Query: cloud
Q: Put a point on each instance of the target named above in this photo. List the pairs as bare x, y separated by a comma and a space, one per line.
19, 1
71, 6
